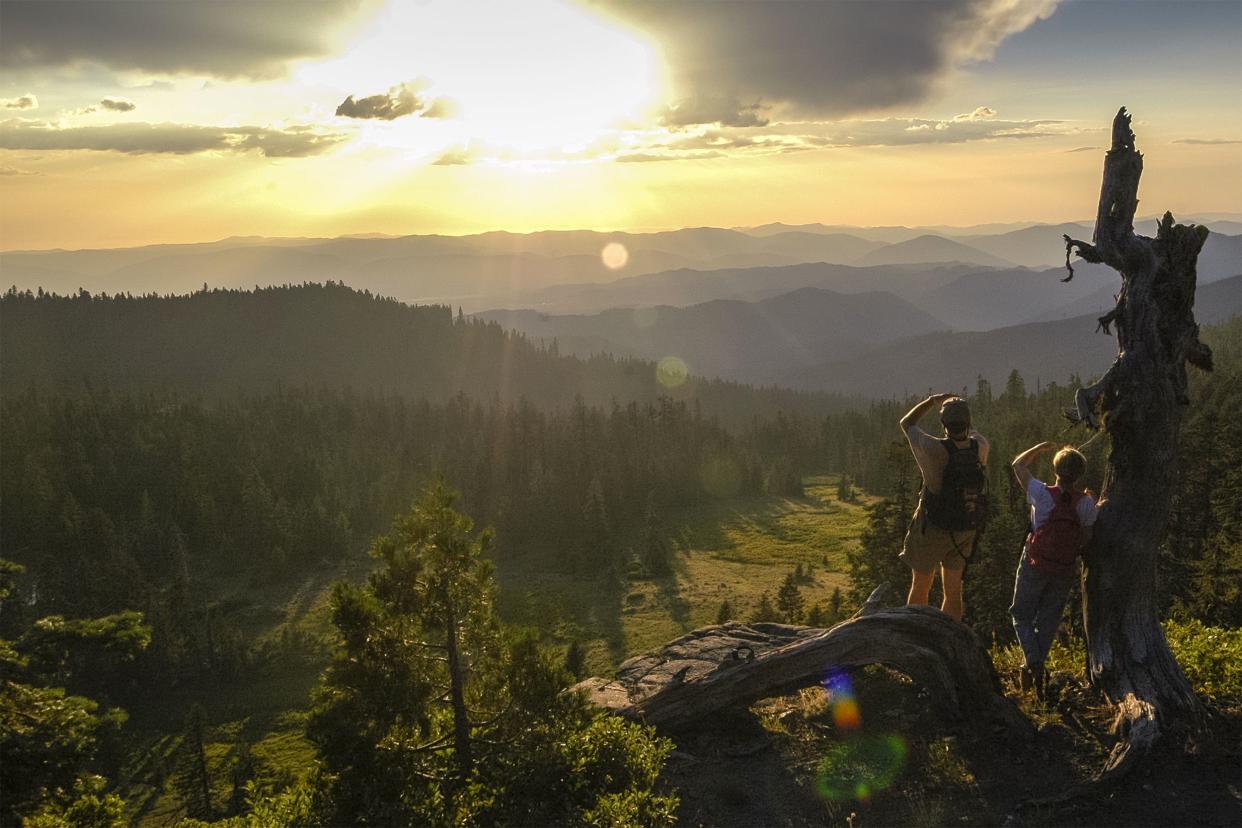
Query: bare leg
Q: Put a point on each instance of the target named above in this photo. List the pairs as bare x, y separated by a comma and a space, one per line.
920, 586
951, 580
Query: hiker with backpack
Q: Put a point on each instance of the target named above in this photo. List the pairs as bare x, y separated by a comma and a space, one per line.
952, 503
1061, 519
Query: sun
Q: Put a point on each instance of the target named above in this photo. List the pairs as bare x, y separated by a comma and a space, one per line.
538, 76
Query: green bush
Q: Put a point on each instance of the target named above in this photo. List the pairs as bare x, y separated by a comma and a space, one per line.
1211, 657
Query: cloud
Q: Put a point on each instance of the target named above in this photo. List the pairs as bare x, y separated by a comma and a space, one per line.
820, 59
779, 139
174, 139
441, 108
1083, 149
225, 38
981, 113
713, 109
642, 157
15, 171
399, 101
896, 132
118, 104
1208, 141
455, 157
27, 101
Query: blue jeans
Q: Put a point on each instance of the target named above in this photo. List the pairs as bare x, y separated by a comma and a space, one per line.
1038, 600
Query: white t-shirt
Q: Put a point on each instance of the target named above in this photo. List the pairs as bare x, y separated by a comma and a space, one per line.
1041, 501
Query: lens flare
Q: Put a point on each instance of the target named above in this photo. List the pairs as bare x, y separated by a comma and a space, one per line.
846, 714
860, 767
720, 477
672, 371
614, 255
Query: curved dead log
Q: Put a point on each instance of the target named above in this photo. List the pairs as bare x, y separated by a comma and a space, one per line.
1140, 399
714, 668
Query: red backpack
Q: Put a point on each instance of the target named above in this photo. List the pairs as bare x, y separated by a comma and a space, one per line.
1055, 545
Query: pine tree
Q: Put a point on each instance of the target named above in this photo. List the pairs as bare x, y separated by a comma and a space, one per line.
789, 600
575, 660
725, 614
656, 551
432, 714
764, 611
845, 492
817, 615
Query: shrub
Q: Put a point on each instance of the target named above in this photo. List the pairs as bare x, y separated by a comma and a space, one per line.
1211, 657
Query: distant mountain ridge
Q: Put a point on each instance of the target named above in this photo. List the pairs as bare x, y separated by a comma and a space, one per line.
1041, 351
931, 249
563, 270
745, 341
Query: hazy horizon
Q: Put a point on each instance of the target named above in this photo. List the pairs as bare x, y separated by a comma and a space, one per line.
132, 124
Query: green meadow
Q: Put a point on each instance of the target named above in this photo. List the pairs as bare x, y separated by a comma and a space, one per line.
728, 549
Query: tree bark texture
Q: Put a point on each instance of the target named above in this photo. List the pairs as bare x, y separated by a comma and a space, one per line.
1139, 399
714, 668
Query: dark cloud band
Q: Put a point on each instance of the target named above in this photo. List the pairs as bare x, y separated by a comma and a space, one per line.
822, 59
225, 38
174, 139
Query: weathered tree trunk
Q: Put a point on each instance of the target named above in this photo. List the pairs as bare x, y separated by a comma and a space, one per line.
457, 694
1140, 398
713, 668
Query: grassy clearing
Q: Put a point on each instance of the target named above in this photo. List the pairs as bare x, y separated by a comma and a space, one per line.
731, 550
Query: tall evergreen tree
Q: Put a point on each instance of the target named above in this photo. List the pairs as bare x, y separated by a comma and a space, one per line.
789, 600
432, 714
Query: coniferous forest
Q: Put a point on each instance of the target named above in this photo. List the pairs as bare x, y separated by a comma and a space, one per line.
179, 452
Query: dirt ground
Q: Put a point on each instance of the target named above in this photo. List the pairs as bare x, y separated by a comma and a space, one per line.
789, 761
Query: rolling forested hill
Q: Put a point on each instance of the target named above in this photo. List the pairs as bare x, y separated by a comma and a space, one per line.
748, 341
218, 343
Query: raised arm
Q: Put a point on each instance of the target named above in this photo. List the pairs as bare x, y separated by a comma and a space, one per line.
1022, 463
915, 414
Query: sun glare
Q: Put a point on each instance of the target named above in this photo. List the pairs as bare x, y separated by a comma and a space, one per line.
522, 77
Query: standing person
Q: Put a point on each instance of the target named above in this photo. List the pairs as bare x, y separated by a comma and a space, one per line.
1061, 521
942, 532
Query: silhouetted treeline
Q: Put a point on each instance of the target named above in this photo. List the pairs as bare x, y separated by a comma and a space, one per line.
218, 342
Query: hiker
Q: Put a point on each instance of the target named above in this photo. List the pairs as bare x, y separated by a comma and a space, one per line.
1061, 521
942, 532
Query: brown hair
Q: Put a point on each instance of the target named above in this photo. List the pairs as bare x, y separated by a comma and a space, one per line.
1069, 464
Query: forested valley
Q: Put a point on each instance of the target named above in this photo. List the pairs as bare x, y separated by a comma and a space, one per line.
182, 461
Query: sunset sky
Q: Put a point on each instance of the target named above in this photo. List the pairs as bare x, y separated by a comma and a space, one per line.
139, 122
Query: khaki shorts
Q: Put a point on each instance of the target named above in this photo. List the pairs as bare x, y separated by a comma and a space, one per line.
927, 547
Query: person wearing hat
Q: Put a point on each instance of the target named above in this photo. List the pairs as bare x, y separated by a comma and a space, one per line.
942, 532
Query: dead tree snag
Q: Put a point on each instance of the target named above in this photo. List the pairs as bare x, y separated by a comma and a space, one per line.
1139, 400
714, 668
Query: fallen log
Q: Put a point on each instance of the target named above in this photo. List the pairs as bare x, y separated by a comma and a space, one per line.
713, 668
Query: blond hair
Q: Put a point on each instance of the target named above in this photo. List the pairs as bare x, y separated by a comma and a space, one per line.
1069, 464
